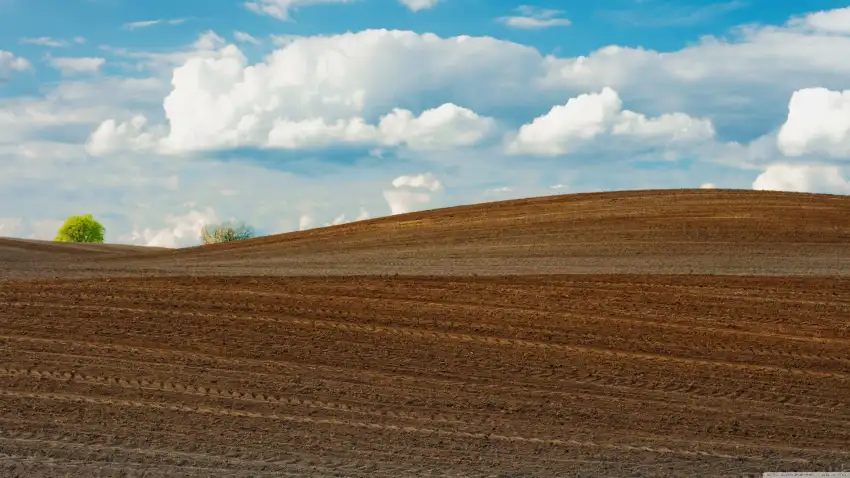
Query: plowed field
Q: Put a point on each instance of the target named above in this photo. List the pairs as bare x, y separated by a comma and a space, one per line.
224, 373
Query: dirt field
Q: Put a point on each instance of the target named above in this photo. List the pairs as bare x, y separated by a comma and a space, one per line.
223, 373
644, 232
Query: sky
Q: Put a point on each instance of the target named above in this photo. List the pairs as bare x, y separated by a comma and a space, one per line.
159, 117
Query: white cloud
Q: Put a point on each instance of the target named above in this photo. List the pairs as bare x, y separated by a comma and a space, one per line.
411, 193
217, 95
754, 67
708, 186
245, 38
830, 21
803, 178
403, 201
672, 126
558, 186
70, 107
45, 41
79, 40
305, 222
417, 5
535, 18
150, 23
280, 9
71, 66
557, 132
9, 63
566, 127
426, 181
181, 231
111, 137
818, 122
447, 126
288, 134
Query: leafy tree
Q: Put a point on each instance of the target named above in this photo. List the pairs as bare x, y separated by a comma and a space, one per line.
81, 229
226, 232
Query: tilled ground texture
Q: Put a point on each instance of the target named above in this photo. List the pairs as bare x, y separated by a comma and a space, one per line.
420, 376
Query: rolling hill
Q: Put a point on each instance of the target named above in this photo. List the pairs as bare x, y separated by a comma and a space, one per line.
550, 336
665, 232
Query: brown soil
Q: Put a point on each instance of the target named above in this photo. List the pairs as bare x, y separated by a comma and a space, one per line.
443, 375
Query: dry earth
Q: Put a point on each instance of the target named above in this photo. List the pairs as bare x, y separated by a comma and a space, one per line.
219, 361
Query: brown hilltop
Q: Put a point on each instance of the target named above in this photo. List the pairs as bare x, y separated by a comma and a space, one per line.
666, 231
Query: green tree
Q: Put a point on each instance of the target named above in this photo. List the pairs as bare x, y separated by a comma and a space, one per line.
226, 232
81, 229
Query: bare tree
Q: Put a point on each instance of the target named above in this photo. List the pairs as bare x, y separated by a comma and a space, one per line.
226, 232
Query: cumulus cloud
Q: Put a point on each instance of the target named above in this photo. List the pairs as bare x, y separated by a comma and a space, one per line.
111, 137
426, 181
288, 134
723, 69
566, 127
80, 65
446, 127
708, 186
411, 192
280, 9
9, 63
339, 77
530, 17
818, 122
417, 5
830, 21
803, 178
183, 230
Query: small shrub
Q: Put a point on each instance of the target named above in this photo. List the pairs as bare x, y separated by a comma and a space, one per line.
226, 232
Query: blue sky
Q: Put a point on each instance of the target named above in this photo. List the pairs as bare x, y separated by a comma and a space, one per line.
159, 117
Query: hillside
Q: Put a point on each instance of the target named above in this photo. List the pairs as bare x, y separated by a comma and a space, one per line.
666, 232
210, 366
